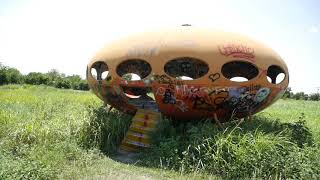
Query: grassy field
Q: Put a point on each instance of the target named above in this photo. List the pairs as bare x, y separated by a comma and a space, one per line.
48, 133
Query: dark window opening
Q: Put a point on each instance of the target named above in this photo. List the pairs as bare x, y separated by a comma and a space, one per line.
138, 92
134, 69
186, 68
275, 74
239, 71
142, 98
99, 70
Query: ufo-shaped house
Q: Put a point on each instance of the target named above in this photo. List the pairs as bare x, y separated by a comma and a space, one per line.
188, 73
185, 73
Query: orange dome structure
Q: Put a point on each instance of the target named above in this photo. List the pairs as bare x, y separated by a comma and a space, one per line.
188, 73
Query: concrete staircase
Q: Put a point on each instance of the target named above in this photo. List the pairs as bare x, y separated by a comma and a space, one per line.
137, 136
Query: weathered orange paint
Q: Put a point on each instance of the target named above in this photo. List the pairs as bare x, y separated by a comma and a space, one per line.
210, 94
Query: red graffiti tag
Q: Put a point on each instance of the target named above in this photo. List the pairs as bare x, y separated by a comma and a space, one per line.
237, 51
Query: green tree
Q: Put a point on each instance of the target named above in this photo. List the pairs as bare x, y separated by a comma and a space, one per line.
75, 81
314, 97
14, 76
300, 95
51, 78
9, 75
54, 76
36, 78
288, 93
3, 75
63, 83
83, 85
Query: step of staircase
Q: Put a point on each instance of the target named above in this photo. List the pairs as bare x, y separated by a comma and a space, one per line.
137, 137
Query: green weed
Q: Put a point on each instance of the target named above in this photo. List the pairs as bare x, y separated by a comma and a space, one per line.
268, 150
103, 130
48, 133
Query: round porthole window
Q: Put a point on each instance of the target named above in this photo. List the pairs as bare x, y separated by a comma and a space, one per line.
186, 68
99, 70
239, 71
134, 69
275, 74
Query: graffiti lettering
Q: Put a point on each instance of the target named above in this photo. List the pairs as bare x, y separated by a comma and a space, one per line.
252, 87
181, 105
164, 79
212, 102
201, 104
244, 101
168, 97
190, 93
236, 99
215, 91
160, 91
237, 51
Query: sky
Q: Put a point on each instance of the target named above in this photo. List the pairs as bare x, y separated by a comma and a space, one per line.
40, 35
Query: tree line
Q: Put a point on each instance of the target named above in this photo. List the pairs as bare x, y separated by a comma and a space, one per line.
301, 95
9, 75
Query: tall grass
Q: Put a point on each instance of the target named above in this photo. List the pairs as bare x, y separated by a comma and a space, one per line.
271, 150
104, 131
43, 130
47, 133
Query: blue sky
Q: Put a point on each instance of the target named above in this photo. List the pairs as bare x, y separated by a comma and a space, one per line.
39, 35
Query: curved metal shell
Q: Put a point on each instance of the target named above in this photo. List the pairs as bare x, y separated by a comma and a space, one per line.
191, 72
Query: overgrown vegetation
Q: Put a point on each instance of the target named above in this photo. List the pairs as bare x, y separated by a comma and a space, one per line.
53, 78
39, 130
282, 150
47, 133
301, 95
104, 131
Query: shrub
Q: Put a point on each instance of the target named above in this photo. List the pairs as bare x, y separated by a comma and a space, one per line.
285, 151
36, 78
74, 81
63, 83
288, 93
52, 78
301, 96
10, 75
314, 97
104, 130
83, 85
